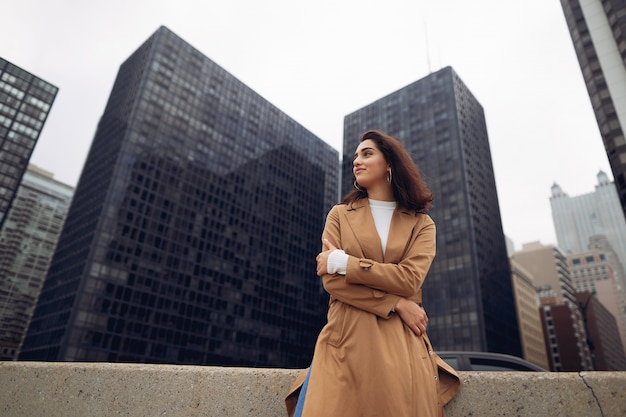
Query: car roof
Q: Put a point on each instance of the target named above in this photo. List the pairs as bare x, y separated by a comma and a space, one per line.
493, 356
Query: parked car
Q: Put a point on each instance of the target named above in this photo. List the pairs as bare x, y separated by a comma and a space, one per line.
487, 361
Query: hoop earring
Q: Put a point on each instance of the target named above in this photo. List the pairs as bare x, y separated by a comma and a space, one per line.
357, 186
389, 177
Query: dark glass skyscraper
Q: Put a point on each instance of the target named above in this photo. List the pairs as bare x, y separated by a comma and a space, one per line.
194, 228
25, 101
468, 293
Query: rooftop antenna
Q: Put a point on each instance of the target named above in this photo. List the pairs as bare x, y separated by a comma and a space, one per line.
427, 46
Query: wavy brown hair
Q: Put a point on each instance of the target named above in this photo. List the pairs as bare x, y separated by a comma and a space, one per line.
409, 189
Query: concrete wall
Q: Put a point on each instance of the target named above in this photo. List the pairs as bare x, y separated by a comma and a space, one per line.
38, 389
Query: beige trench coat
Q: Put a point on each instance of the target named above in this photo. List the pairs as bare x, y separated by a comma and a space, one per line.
367, 363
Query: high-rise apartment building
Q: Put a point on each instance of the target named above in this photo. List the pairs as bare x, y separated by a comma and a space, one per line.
598, 31
468, 293
28, 238
194, 227
25, 101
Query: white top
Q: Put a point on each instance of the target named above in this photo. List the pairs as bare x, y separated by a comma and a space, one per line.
382, 211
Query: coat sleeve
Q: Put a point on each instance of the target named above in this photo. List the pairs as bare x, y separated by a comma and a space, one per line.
360, 296
404, 278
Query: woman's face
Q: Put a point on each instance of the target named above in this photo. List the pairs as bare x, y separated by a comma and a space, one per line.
369, 165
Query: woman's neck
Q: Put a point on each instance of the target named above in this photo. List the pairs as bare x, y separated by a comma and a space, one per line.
381, 193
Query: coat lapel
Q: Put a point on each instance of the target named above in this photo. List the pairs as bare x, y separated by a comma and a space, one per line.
402, 224
361, 222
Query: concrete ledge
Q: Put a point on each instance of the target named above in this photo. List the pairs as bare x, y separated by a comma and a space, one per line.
103, 389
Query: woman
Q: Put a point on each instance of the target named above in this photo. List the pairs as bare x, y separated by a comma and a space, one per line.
373, 357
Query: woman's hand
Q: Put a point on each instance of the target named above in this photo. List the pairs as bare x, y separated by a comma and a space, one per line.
412, 315
322, 258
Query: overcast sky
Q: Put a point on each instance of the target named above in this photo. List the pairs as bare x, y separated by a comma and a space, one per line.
320, 60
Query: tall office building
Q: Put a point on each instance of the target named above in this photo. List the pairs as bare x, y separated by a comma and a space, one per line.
28, 238
25, 101
581, 219
468, 292
194, 228
598, 31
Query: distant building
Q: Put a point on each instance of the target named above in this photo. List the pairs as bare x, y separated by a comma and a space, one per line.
566, 339
28, 238
592, 220
194, 228
565, 336
25, 101
591, 272
528, 316
577, 219
468, 292
598, 32
548, 267
602, 334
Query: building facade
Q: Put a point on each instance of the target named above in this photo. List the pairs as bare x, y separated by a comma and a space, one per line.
28, 238
194, 228
594, 221
598, 32
578, 219
592, 273
603, 337
566, 340
25, 101
548, 266
528, 316
562, 321
468, 292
